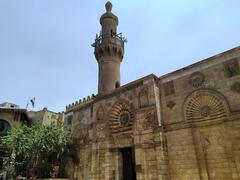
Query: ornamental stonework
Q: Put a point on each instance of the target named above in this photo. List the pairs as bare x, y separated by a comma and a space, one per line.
196, 79
168, 88
100, 132
80, 133
151, 119
204, 104
146, 120
121, 117
236, 87
231, 68
125, 118
108, 50
171, 104
100, 113
143, 98
212, 140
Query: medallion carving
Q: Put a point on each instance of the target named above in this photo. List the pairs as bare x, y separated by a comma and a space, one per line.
196, 79
124, 118
236, 87
205, 110
171, 104
231, 68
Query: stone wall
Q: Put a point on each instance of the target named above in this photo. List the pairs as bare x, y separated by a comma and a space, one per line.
184, 125
200, 112
101, 133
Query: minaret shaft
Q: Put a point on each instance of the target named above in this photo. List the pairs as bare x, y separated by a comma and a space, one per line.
109, 50
109, 76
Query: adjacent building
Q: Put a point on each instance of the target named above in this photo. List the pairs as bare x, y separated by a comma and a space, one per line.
12, 115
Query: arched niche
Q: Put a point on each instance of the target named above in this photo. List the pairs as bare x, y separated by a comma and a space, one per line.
5, 127
100, 113
121, 117
205, 104
143, 98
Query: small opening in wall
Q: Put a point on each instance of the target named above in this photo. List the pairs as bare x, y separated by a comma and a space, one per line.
112, 32
117, 84
69, 120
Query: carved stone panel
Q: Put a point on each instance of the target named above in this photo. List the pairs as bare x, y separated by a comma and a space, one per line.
150, 119
196, 79
125, 118
204, 104
100, 132
236, 87
100, 114
171, 104
121, 117
168, 88
80, 133
143, 98
231, 68
146, 121
212, 140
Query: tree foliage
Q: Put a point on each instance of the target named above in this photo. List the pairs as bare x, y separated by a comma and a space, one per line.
36, 147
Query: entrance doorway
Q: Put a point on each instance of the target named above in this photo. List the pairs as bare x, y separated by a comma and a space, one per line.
128, 162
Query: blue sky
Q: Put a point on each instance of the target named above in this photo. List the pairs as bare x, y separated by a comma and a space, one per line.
45, 47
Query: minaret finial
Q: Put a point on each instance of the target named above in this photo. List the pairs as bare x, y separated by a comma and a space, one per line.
108, 6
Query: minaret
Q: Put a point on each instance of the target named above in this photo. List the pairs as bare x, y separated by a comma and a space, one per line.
108, 50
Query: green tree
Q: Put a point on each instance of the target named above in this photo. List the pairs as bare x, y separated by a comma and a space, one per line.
37, 148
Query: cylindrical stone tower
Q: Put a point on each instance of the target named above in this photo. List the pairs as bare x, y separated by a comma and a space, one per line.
108, 50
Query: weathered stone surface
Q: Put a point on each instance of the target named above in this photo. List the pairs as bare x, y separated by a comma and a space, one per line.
184, 125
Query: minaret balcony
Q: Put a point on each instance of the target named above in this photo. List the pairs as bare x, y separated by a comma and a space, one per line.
109, 39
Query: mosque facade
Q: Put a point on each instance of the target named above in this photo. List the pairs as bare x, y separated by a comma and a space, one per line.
182, 125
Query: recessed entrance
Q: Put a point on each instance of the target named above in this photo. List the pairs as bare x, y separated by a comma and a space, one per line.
128, 162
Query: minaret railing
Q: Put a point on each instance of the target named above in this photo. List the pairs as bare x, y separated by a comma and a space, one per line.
117, 39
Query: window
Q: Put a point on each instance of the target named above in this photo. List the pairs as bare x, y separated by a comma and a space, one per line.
4, 127
117, 84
